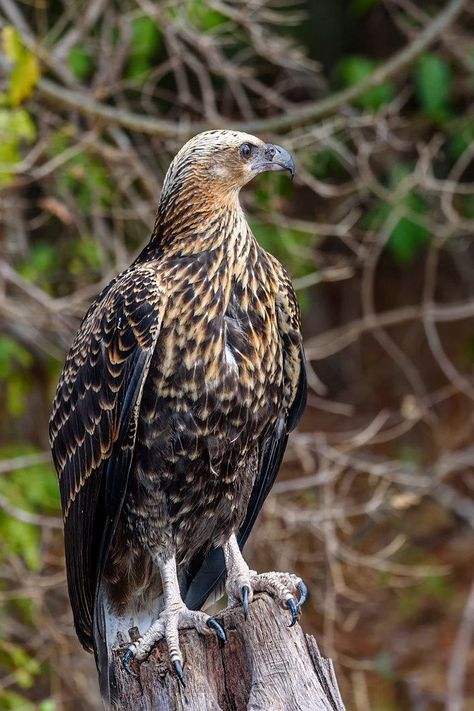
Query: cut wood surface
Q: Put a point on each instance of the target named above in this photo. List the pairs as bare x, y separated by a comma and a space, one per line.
264, 666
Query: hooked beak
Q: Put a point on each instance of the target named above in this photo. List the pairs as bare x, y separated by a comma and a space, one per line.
274, 158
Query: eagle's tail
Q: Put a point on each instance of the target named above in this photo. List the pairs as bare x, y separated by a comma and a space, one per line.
112, 632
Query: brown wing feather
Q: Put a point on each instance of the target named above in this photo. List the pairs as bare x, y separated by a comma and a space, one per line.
93, 423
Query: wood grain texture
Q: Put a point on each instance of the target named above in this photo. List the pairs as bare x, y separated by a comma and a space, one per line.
264, 666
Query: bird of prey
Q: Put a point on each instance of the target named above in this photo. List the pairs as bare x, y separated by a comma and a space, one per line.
173, 411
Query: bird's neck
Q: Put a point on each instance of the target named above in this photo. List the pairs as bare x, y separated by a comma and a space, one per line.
188, 222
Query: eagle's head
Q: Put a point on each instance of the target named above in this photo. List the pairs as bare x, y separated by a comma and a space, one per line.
221, 162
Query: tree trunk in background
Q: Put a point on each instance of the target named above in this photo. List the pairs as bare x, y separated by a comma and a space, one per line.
265, 665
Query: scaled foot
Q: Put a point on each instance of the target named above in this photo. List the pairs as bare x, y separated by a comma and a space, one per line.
288, 589
167, 626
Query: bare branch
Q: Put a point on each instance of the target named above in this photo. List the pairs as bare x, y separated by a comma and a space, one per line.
298, 117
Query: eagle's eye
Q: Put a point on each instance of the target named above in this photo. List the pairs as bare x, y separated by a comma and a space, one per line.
246, 150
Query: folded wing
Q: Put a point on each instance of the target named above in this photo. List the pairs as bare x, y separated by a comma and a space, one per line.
93, 427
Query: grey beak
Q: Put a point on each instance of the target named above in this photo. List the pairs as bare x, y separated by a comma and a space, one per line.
275, 158
281, 159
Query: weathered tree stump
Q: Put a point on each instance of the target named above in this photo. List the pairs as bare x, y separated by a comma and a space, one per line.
264, 666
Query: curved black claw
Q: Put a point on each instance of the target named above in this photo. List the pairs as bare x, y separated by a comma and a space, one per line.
179, 672
303, 591
245, 600
214, 625
127, 658
294, 609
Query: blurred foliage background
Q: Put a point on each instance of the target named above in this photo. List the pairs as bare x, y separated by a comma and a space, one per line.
374, 507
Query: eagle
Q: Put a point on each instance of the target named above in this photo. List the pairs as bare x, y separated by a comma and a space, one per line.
172, 414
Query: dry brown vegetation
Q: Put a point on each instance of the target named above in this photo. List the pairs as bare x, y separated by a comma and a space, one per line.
375, 504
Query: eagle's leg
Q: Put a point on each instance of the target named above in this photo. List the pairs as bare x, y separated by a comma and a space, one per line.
175, 616
242, 583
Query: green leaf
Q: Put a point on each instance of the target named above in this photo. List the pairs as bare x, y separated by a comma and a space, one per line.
23, 540
204, 16
44, 257
24, 78
462, 135
48, 705
9, 156
353, 70
407, 240
18, 391
16, 125
326, 164
43, 260
12, 354
145, 45
32, 488
25, 607
11, 701
80, 62
22, 125
95, 189
409, 237
89, 253
146, 37
433, 86
26, 70
12, 44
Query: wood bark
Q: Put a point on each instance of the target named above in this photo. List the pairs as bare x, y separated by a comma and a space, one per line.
264, 666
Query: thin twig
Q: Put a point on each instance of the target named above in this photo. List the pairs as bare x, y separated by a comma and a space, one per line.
28, 517
299, 117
